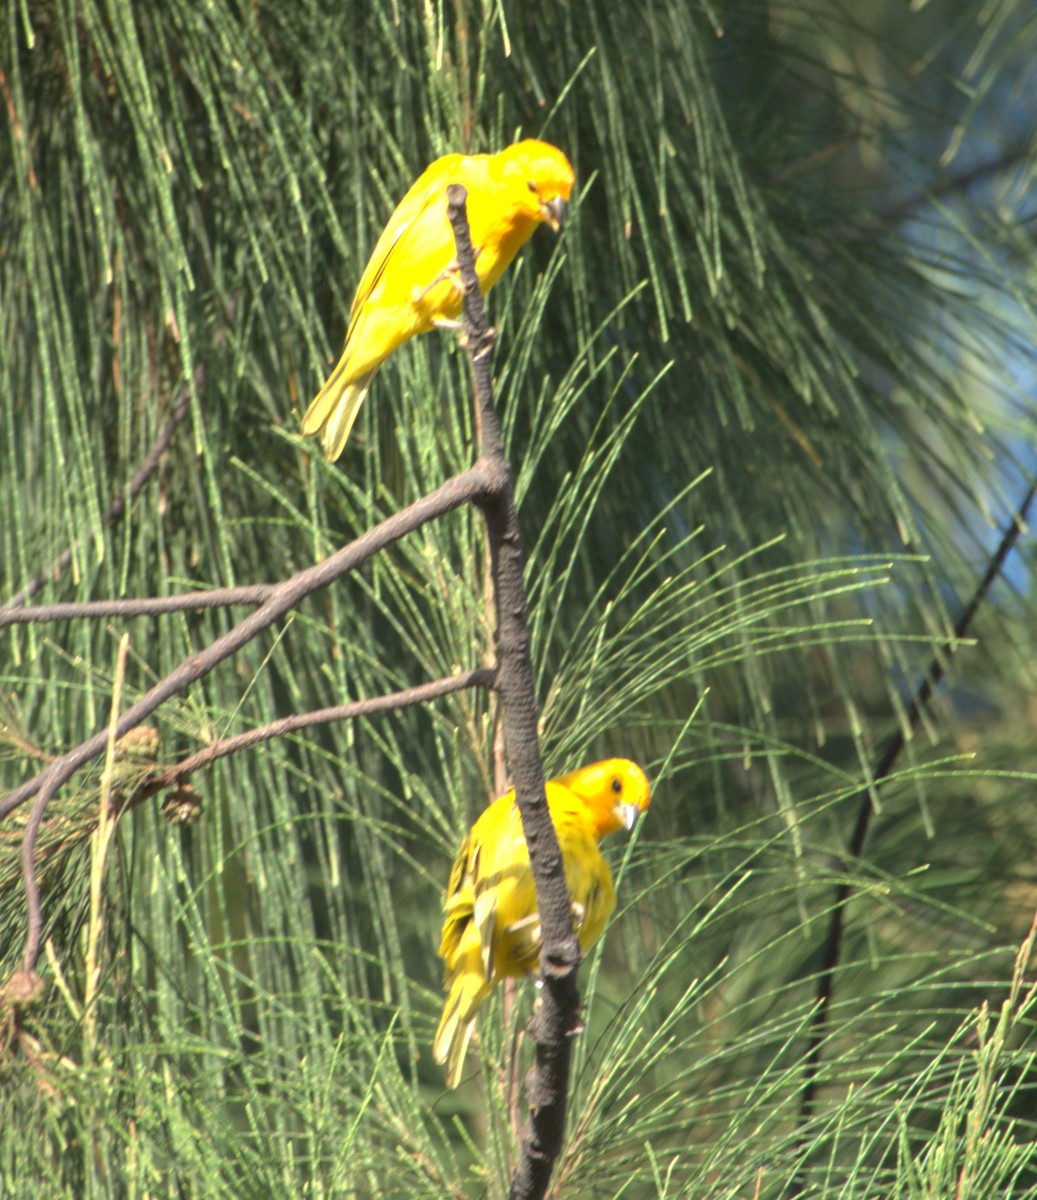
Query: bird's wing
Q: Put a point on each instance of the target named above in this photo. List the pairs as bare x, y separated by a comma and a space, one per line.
587, 875
460, 872
427, 189
459, 901
486, 922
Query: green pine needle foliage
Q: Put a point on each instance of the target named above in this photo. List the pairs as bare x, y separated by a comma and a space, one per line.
770, 401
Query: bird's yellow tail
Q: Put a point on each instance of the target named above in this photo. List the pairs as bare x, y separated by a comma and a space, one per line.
468, 989
335, 408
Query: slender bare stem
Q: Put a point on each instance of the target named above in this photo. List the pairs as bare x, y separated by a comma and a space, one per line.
461, 489
148, 606
419, 694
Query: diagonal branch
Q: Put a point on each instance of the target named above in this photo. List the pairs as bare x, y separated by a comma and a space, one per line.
832, 949
468, 487
420, 693
558, 1015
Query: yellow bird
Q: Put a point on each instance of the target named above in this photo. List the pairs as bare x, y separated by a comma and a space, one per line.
411, 282
491, 929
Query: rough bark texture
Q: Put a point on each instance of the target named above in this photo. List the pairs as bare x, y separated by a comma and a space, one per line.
557, 1017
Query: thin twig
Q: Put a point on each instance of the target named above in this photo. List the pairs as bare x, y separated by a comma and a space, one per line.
118, 505
557, 1018
866, 227
34, 918
832, 948
150, 606
391, 701
161, 779
461, 489
1022, 152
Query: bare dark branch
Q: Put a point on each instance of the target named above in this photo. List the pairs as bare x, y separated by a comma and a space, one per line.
161, 779
150, 606
468, 487
419, 694
557, 1018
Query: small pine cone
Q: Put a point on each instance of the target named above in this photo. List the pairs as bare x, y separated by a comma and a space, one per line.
183, 806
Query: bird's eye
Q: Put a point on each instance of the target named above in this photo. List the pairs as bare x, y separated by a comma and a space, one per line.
532, 187
617, 784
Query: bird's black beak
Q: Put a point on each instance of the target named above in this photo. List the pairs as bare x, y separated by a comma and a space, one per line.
553, 212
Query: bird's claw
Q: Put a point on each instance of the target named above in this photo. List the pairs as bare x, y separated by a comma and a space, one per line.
486, 343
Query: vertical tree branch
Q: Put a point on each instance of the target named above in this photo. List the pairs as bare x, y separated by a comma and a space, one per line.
557, 1017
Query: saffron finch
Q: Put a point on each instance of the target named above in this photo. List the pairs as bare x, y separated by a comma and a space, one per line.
412, 282
491, 929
